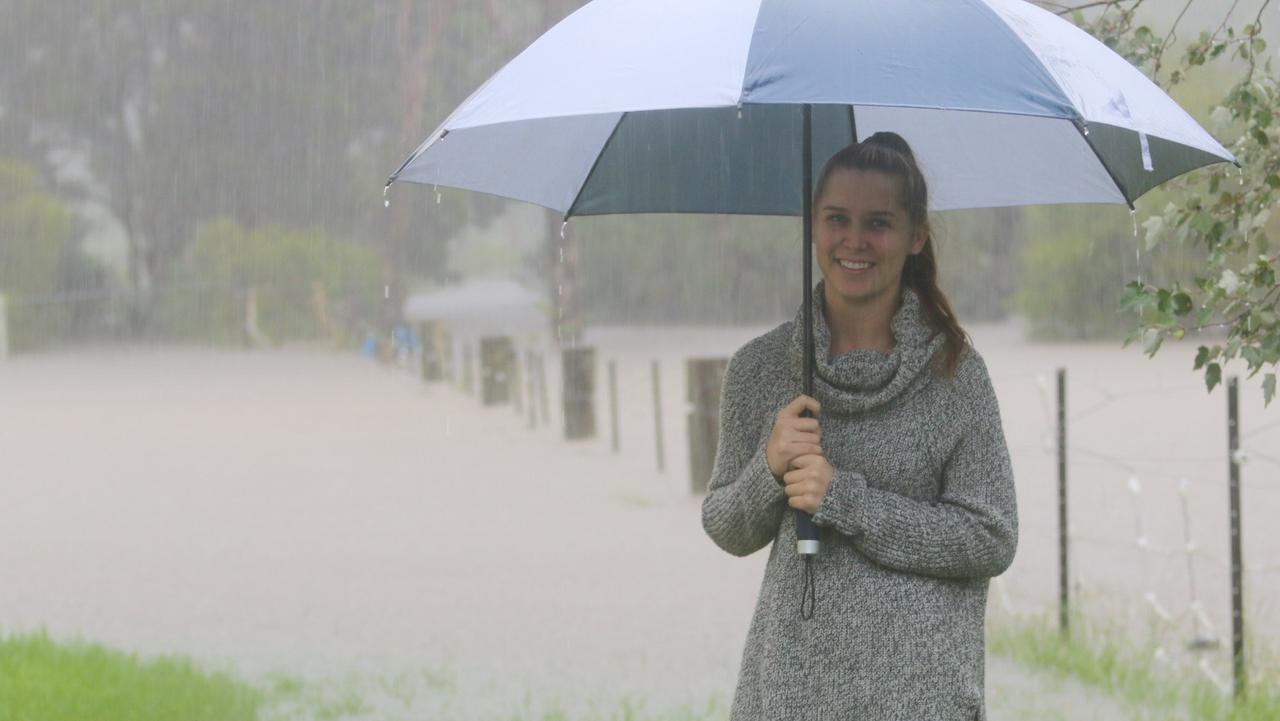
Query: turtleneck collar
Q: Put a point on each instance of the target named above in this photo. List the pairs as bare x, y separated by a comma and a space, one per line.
863, 380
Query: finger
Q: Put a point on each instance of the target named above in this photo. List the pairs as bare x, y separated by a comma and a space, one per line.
794, 408
811, 404
804, 438
803, 461
801, 450
810, 425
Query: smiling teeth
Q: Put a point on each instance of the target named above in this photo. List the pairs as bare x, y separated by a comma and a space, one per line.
851, 265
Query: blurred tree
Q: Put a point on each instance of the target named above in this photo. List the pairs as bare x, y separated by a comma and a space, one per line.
1223, 212
292, 111
41, 267
272, 283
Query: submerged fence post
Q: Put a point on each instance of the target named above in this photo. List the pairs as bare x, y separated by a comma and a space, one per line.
1237, 558
467, 386
657, 418
432, 361
613, 406
497, 359
705, 377
517, 387
4, 330
530, 373
579, 376
543, 408
1064, 576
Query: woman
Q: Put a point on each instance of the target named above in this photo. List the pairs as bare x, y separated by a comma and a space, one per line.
903, 466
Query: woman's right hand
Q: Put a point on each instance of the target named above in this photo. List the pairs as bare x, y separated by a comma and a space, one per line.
793, 435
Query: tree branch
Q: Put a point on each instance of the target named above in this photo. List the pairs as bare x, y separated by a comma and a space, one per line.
1173, 33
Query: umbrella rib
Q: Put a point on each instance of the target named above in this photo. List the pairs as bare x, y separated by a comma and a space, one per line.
587, 179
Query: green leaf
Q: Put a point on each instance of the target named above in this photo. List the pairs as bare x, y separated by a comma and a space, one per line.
1151, 341
1181, 304
1202, 357
1253, 355
1261, 137
1268, 388
1135, 297
1212, 376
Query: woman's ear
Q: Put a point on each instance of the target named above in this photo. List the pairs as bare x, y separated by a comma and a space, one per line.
920, 236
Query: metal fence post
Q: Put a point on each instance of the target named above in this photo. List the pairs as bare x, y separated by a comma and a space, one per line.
613, 405
1064, 577
4, 330
657, 418
1237, 558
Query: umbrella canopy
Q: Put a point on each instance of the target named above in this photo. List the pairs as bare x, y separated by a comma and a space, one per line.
633, 106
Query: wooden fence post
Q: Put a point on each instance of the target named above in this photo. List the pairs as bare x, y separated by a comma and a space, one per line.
705, 376
578, 373
497, 358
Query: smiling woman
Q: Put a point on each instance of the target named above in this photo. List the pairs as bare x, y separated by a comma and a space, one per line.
903, 465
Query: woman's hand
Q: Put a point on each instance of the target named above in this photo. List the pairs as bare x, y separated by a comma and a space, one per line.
793, 436
807, 482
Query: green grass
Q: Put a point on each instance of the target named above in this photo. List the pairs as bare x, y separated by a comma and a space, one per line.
1106, 657
46, 680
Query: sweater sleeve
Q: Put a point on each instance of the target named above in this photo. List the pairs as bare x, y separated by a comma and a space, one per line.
745, 503
969, 532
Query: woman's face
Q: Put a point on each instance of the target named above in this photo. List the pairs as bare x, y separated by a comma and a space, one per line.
863, 235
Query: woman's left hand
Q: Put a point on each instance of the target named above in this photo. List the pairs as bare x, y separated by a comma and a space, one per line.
807, 482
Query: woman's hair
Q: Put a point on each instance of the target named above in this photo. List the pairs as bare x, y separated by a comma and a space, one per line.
888, 153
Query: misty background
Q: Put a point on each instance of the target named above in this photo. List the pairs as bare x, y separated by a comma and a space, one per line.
169, 169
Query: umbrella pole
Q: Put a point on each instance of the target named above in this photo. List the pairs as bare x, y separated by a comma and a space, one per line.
807, 544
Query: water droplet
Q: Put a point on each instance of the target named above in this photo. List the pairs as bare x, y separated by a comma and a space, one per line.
1133, 216
1240, 174
386, 202
560, 291
1086, 131
386, 292
437, 189
564, 228
562, 255
739, 111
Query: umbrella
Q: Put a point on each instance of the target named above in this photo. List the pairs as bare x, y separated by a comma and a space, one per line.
724, 106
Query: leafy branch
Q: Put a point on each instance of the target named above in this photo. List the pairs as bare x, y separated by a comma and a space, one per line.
1223, 211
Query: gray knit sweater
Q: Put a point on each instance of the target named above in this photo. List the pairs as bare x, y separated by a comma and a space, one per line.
919, 516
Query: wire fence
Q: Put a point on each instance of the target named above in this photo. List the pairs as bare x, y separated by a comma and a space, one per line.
1148, 464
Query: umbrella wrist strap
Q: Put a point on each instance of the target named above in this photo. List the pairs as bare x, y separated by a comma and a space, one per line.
808, 594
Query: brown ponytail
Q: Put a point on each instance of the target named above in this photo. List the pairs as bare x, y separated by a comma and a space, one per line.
889, 153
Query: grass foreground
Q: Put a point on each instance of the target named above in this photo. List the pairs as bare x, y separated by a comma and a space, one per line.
46, 680
1102, 658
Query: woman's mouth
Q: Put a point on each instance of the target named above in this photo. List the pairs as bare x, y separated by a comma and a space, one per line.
854, 264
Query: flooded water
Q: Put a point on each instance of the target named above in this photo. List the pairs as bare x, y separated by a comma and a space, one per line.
322, 515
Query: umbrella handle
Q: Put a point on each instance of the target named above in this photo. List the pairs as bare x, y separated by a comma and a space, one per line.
807, 544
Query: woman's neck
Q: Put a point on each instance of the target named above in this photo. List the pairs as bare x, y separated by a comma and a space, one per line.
861, 326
